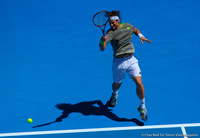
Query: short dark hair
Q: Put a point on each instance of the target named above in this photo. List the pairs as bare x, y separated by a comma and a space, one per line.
114, 13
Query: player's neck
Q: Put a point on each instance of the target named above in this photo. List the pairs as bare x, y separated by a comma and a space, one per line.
120, 25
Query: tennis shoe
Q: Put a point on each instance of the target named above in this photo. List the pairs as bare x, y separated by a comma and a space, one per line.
113, 100
143, 113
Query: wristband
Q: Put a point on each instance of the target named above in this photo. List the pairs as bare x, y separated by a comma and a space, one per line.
102, 42
140, 35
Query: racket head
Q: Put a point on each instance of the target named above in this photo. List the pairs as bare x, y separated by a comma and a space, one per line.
101, 18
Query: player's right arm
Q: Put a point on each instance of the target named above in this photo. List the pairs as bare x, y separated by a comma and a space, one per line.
102, 44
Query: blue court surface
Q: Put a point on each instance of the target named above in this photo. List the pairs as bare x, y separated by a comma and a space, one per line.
49, 55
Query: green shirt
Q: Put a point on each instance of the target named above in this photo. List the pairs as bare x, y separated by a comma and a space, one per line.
120, 39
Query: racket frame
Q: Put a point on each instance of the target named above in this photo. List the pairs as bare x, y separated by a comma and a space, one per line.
103, 25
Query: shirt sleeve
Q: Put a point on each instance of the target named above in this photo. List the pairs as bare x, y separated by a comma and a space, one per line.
133, 28
109, 37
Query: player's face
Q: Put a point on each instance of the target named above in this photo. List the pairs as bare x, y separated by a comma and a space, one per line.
114, 24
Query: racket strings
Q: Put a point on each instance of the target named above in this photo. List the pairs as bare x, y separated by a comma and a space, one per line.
100, 18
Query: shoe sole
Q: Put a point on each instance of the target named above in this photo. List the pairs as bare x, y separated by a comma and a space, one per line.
110, 105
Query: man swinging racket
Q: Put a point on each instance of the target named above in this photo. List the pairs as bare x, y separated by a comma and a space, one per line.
119, 35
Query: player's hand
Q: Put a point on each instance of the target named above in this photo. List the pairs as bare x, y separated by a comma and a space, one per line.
103, 38
144, 39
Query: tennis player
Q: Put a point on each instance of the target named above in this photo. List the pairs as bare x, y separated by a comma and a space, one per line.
119, 35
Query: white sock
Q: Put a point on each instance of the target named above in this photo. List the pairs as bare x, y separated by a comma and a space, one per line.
142, 101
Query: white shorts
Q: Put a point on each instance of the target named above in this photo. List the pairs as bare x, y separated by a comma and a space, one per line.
122, 65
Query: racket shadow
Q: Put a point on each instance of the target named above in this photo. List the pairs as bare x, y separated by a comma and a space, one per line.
88, 108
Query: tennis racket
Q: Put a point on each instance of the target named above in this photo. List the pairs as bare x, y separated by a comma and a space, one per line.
100, 19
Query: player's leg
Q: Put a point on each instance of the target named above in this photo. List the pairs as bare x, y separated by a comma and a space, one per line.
116, 86
134, 72
139, 87
113, 99
141, 95
118, 75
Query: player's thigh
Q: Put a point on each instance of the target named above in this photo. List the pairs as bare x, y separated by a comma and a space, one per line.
134, 70
118, 71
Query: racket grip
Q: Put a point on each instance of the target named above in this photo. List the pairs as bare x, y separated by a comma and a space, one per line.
104, 33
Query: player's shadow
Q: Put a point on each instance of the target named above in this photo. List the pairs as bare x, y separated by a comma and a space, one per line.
89, 108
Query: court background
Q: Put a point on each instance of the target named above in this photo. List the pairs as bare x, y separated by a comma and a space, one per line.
49, 54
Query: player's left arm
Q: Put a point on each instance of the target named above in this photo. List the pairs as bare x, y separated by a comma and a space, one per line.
139, 34
102, 44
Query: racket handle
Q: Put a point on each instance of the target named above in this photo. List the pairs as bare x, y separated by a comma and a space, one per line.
104, 33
